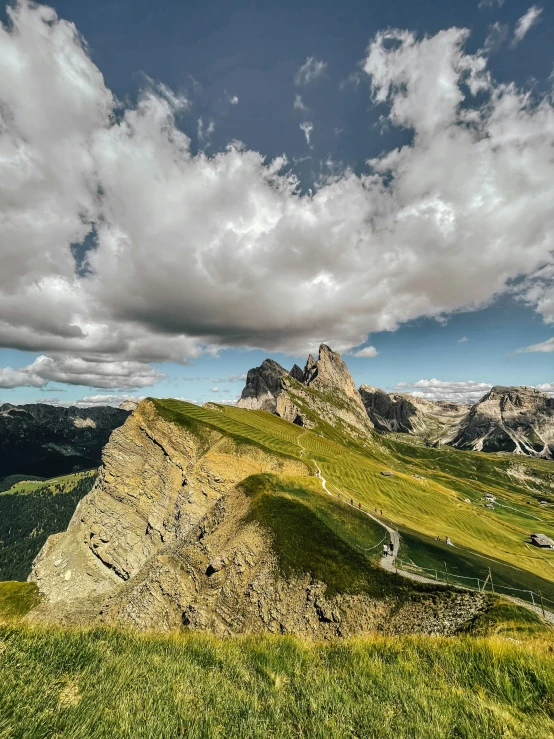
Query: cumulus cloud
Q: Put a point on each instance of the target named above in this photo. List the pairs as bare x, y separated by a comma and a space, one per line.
307, 128
525, 23
547, 388
544, 346
309, 71
191, 253
77, 371
367, 352
459, 392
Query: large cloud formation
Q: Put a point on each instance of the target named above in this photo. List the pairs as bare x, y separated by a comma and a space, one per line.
191, 253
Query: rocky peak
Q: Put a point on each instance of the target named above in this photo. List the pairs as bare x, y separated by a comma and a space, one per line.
509, 419
330, 373
297, 373
263, 385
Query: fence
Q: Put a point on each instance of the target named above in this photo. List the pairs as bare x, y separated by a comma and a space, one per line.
536, 598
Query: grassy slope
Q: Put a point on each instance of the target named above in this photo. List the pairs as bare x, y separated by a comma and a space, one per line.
101, 684
313, 533
29, 512
435, 506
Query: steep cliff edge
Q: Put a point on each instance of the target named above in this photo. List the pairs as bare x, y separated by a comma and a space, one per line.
198, 520
323, 390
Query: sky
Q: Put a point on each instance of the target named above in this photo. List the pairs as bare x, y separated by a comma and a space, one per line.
187, 188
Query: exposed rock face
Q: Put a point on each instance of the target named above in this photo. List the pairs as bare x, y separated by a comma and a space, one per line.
164, 541
155, 485
396, 412
324, 389
47, 440
263, 385
510, 419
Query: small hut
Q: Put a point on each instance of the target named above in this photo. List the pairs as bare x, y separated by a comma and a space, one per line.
387, 473
540, 540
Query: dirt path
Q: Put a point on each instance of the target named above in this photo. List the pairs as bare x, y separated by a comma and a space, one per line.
389, 562
386, 562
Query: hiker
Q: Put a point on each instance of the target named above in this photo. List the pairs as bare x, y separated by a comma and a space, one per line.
359, 505
438, 538
449, 542
385, 550
381, 511
351, 501
391, 548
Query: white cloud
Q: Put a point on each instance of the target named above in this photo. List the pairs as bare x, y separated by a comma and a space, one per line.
367, 351
298, 104
525, 23
204, 132
196, 253
307, 128
309, 71
462, 340
77, 371
496, 36
459, 392
233, 99
547, 388
214, 390
491, 3
544, 346
231, 378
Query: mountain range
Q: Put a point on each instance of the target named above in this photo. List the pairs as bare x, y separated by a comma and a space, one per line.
45, 440
506, 419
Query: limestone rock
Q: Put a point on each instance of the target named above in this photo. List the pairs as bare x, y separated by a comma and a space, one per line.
263, 385
402, 413
509, 419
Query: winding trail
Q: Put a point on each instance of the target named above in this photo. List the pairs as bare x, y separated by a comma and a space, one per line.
389, 562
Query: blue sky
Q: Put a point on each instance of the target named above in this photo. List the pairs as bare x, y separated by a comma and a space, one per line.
230, 72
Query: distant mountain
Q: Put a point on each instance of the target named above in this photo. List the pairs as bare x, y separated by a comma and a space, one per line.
511, 419
323, 390
508, 419
401, 413
46, 440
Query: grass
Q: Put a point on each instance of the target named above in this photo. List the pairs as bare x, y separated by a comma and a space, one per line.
100, 684
17, 599
317, 535
462, 563
449, 501
30, 512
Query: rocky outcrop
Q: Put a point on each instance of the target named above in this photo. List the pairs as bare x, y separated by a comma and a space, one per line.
263, 385
323, 390
166, 540
509, 419
156, 483
46, 440
400, 413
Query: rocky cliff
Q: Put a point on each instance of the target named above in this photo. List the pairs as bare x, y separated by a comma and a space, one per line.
171, 536
508, 419
46, 440
401, 413
323, 390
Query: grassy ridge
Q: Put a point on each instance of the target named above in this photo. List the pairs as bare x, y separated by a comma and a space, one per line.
437, 505
313, 533
30, 512
102, 684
